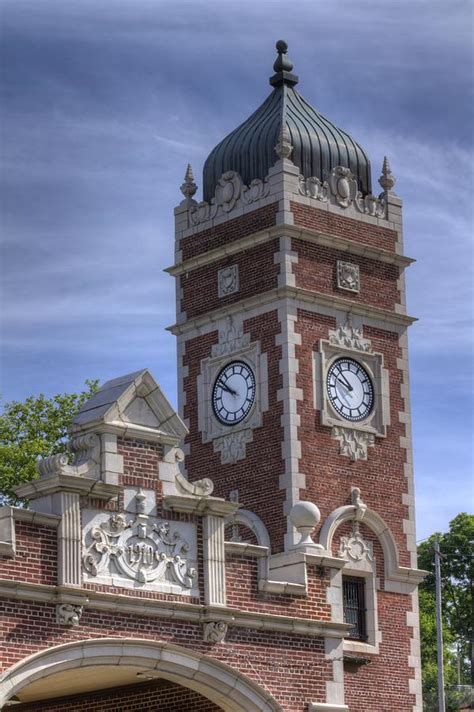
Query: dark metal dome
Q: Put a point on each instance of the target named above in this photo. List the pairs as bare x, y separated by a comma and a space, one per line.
318, 145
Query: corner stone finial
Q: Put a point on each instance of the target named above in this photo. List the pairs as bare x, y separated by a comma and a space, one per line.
387, 180
189, 187
284, 147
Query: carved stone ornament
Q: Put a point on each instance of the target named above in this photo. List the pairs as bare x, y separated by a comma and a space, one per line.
215, 631
358, 503
312, 187
228, 280
68, 614
202, 212
353, 443
231, 337
355, 548
233, 446
255, 191
284, 147
82, 460
348, 276
228, 190
199, 488
230, 193
341, 188
189, 187
141, 549
343, 185
349, 337
387, 179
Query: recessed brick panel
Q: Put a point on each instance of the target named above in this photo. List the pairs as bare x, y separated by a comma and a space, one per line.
234, 229
257, 273
335, 224
316, 270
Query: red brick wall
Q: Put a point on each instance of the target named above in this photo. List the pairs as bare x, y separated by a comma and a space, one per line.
368, 686
256, 477
205, 240
36, 555
257, 273
316, 270
329, 476
291, 667
140, 463
335, 224
242, 592
160, 695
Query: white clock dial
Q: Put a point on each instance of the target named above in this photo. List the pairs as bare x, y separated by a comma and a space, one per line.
233, 394
350, 389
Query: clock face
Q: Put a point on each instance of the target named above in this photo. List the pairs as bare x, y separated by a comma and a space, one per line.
350, 389
233, 394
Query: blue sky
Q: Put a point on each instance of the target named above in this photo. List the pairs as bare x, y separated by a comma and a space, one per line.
104, 104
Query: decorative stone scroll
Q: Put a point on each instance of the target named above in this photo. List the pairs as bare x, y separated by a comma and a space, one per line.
353, 443
143, 550
348, 276
312, 187
349, 337
233, 446
68, 614
215, 631
230, 193
341, 188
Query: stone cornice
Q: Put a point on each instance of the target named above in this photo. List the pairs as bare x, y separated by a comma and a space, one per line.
303, 296
39, 518
200, 505
67, 483
175, 610
306, 234
242, 548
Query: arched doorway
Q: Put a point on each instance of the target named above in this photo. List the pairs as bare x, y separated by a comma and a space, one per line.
98, 663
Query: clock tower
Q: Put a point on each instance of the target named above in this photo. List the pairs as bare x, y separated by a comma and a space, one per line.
293, 363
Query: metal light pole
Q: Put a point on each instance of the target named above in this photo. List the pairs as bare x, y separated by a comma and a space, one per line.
439, 628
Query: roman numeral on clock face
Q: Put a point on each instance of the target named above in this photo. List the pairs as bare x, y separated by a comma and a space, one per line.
350, 389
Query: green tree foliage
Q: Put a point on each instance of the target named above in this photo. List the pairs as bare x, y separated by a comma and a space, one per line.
36, 427
457, 569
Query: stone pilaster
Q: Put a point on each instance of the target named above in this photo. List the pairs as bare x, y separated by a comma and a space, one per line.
69, 538
214, 560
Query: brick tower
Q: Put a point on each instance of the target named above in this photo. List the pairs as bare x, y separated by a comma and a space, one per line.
255, 552
293, 365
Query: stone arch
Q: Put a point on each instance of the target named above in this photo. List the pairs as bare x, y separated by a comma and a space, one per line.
220, 683
253, 522
375, 522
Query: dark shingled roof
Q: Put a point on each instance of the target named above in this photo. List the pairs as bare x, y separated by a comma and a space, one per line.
318, 145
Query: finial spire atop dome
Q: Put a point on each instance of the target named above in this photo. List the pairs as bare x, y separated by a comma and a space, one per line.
283, 67
285, 124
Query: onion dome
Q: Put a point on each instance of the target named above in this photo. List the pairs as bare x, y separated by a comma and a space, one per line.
318, 145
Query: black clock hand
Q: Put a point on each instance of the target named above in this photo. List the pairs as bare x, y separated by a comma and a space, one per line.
226, 388
344, 382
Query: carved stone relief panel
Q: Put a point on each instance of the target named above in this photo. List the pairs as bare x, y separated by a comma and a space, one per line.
138, 550
348, 276
228, 280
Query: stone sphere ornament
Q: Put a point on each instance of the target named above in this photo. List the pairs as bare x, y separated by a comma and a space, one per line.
305, 516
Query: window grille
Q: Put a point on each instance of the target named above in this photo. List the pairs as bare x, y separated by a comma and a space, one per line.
353, 591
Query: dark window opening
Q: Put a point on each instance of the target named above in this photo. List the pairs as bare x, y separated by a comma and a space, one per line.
353, 592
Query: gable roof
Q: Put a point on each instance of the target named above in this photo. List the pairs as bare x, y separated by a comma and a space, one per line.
132, 402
